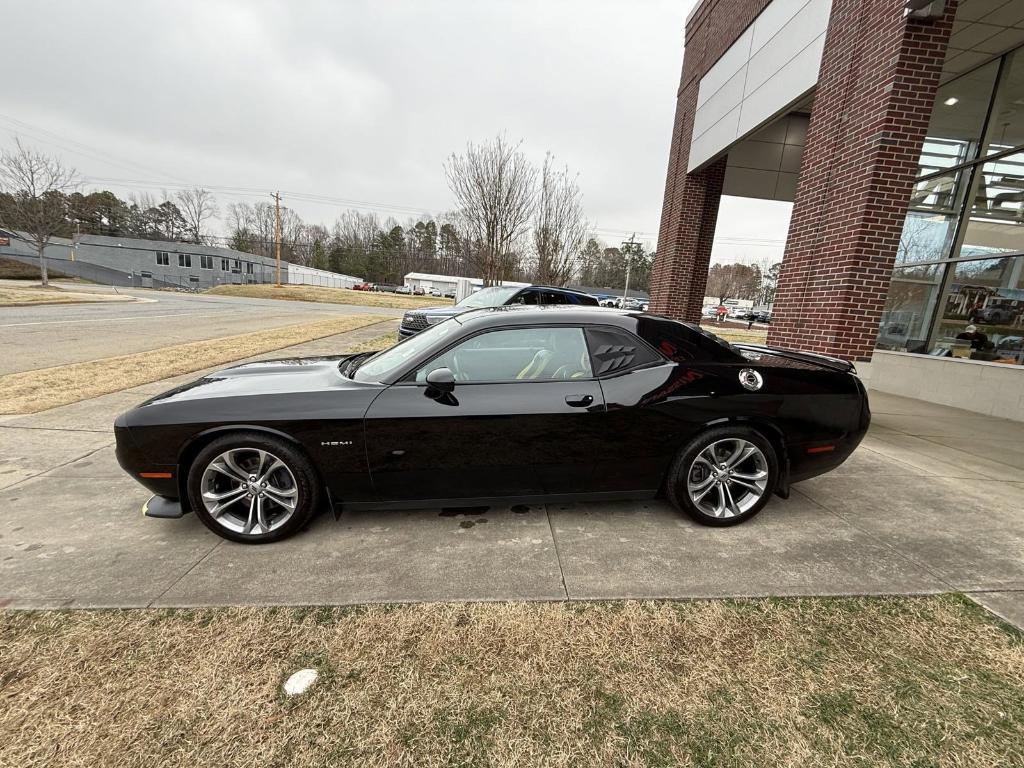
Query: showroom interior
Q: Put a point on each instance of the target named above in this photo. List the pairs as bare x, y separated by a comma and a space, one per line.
960, 262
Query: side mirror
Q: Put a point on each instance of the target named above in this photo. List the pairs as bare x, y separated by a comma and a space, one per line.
440, 381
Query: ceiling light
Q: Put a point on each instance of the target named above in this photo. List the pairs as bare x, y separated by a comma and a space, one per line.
951, 101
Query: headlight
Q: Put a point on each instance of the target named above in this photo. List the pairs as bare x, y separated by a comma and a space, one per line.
435, 319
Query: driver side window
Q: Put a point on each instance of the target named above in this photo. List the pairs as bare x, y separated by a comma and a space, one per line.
520, 354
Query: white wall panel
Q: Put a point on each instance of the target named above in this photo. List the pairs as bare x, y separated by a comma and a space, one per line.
774, 63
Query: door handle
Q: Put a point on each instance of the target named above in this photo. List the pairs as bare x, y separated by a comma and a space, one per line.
579, 401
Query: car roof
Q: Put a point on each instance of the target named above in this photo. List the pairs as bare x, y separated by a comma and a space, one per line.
557, 314
560, 290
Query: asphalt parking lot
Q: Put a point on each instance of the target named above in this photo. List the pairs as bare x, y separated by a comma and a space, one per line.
929, 503
41, 336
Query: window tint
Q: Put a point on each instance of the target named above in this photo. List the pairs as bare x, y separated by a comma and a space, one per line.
614, 350
554, 297
520, 354
527, 297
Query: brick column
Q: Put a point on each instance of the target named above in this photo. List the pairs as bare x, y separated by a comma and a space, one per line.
690, 209
688, 220
879, 74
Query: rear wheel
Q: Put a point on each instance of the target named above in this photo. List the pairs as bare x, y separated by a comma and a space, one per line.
252, 488
724, 476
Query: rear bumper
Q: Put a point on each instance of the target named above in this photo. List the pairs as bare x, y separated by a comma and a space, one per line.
809, 460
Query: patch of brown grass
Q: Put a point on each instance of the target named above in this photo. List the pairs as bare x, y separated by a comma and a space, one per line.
795, 682
373, 345
14, 297
737, 334
38, 390
329, 296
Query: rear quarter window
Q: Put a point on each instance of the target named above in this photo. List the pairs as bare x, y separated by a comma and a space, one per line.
613, 350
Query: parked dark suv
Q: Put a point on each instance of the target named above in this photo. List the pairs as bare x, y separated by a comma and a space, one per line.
416, 320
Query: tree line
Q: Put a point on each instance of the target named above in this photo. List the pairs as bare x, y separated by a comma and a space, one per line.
512, 221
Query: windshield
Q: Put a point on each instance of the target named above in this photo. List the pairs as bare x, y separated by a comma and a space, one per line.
494, 296
383, 364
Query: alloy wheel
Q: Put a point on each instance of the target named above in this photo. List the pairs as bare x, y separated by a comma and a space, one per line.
249, 491
728, 478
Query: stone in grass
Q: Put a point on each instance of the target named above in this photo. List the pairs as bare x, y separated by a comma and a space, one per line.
300, 682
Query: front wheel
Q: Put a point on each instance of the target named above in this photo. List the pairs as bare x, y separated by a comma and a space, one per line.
724, 476
252, 488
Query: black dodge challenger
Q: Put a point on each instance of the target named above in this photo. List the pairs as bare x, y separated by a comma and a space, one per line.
524, 404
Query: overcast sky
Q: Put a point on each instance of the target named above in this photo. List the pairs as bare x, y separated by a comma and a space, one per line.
358, 100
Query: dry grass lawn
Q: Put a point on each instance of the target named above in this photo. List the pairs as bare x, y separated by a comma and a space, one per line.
329, 296
794, 682
733, 335
14, 297
38, 390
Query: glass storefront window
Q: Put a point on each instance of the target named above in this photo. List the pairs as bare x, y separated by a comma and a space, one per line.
1006, 129
996, 218
957, 288
909, 307
925, 237
982, 312
958, 119
943, 192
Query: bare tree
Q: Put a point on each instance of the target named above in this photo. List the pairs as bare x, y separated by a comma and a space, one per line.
733, 281
559, 226
493, 184
197, 206
35, 205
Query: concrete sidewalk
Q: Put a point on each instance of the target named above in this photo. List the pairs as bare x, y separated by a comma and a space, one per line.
929, 503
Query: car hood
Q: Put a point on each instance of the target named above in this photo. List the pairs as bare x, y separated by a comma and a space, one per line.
267, 377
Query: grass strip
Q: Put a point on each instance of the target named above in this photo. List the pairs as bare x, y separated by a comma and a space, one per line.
795, 682
330, 296
38, 390
17, 297
738, 334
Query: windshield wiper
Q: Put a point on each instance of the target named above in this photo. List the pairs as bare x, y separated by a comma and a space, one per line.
350, 364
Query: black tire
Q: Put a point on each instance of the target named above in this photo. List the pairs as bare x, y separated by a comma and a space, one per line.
687, 466
299, 476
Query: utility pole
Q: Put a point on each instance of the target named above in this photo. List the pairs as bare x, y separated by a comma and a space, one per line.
277, 233
628, 246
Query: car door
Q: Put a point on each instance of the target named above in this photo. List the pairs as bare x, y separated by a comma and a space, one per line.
641, 437
523, 419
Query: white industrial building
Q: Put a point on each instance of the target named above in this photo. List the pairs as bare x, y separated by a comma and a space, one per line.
444, 283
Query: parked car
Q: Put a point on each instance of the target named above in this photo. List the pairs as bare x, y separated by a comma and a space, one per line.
497, 405
610, 301
417, 320
404, 289
995, 314
363, 287
449, 294
437, 292
384, 287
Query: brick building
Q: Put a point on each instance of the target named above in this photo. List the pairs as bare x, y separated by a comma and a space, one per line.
896, 128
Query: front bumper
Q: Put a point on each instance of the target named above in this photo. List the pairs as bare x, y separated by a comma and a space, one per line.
163, 508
